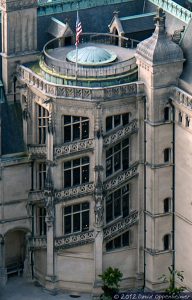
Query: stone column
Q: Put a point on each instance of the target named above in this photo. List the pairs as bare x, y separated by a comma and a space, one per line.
27, 265
3, 270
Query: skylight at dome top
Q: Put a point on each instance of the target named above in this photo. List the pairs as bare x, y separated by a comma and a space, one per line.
92, 56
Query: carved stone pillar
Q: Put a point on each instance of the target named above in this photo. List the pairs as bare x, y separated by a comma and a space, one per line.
3, 270
99, 205
50, 220
27, 266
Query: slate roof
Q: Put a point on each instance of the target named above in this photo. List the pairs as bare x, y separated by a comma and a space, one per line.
186, 45
138, 23
94, 19
11, 128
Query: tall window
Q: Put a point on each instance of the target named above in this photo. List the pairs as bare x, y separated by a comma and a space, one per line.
167, 155
41, 224
117, 157
180, 117
167, 205
41, 175
76, 218
117, 204
42, 116
166, 113
187, 121
119, 242
76, 172
117, 120
166, 242
75, 128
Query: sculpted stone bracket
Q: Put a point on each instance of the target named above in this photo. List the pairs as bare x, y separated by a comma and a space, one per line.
36, 196
120, 226
75, 240
113, 138
74, 192
121, 178
60, 151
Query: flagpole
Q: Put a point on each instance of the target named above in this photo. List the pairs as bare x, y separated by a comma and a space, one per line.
76, 64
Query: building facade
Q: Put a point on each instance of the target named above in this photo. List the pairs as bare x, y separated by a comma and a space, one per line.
98, 178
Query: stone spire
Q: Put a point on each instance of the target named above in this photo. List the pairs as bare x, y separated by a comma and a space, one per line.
159, 48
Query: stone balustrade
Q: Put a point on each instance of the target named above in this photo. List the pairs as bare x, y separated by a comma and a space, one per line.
174, 9
74, 192
74, 240
121, 133
37, 151
38, 243
120, 226
62, 150
30, 78
181, 97
121, 178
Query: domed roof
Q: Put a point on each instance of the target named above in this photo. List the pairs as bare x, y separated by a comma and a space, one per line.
159, 48
92, 56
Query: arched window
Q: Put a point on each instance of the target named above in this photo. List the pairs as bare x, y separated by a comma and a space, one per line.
167, 113
167, 155
167, 205
166, 242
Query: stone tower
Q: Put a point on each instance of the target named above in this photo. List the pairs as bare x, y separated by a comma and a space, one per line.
160, 63
19, 38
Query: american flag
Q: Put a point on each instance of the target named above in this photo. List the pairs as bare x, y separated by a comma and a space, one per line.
78, 29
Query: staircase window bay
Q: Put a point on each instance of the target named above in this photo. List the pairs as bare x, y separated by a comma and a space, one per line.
117, 157
76, 218
117, 204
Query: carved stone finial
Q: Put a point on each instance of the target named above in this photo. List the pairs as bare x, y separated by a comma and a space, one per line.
160, 18
116, 13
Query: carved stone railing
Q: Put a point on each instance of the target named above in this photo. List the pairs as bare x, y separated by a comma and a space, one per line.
59, 151
37, 151
35, 196
120, 226
121, 178
121, 133
74, 192
38, 243
181, 97
74, 240
174, 9
27, 76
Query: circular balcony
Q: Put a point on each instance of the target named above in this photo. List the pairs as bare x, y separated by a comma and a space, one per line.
100, 61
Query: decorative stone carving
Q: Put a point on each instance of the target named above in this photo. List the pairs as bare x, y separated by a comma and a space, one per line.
37, 243
37, 151
74, 192
74, 147
49, 198
113, 138
120, 226
124, 176
181, 97
74, 240
99, 208
27, 76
